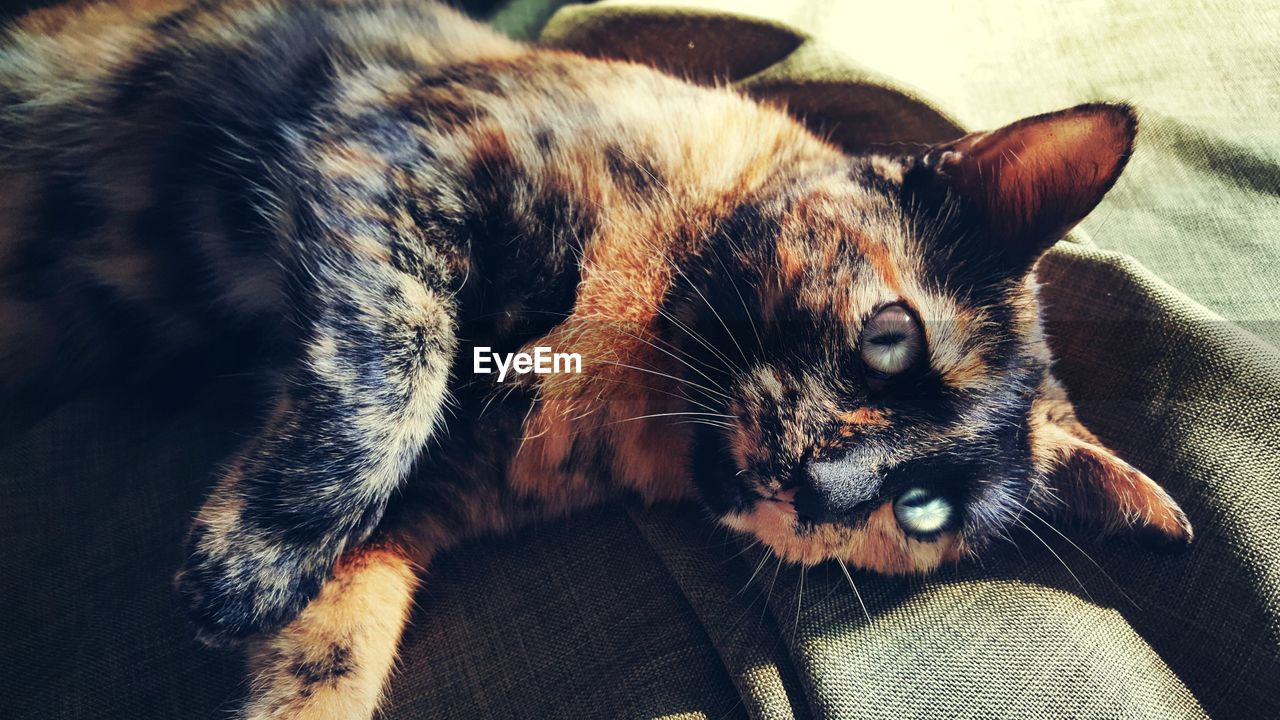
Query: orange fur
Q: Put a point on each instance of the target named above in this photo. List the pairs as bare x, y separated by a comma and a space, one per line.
331, 663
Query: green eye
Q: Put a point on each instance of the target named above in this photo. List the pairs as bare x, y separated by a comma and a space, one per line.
891, 341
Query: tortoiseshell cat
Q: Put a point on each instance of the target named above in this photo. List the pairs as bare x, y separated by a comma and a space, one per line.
841, 356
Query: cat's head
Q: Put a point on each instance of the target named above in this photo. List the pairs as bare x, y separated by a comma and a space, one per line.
871, 340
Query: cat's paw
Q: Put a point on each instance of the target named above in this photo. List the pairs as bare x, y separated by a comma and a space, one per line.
239, 581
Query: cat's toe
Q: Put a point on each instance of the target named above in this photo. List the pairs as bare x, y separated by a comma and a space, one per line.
238, 587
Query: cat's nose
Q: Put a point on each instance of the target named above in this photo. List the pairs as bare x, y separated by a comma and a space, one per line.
833, 490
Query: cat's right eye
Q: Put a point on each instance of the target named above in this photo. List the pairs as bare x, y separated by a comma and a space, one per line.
891, 341
922, 513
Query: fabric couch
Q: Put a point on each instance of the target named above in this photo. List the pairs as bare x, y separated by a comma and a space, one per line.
1159, 310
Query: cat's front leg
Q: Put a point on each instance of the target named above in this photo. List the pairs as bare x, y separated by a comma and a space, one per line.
364, 394
333, 660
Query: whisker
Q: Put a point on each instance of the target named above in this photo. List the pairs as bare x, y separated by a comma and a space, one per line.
764, 557
528, 413
658, 415
1059, 557
650, 388
713, 310
847, 576
715, 352
1087, 556
724, 423
677, 357
666, 375
578, 431
505, 395
677, 268
647, 341
741, 551
733, 281
795, 626
657, 307
746, 611
772, 583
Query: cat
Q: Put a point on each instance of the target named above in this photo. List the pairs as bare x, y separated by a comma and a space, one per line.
839, 356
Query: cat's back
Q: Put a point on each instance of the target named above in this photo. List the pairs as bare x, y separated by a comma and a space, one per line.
48, 53
86, 62
154, 153
95, 93
137, 142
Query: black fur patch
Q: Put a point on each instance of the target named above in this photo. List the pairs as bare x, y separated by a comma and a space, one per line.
633, 173
66, 214
334, 664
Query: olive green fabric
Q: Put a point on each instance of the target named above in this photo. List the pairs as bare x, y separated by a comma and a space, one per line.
652, 612
1197, 205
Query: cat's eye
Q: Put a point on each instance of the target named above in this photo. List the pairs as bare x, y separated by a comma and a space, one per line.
891, 341
922, 512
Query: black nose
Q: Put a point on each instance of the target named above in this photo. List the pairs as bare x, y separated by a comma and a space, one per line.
834, 490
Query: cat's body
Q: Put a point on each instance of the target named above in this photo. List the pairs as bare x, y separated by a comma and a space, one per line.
365, 192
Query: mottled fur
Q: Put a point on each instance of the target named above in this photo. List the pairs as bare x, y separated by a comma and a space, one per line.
360, 191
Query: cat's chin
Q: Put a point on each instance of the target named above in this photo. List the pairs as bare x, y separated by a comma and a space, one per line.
879, 545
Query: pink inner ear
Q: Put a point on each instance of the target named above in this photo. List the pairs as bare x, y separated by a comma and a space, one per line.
1039, 177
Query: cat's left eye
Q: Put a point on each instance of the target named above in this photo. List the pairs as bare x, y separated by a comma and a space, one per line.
891, 340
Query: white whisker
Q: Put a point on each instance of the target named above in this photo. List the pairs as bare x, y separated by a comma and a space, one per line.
1087, 556
1048, 547
847, 576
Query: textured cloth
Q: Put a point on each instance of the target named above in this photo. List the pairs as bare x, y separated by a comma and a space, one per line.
1199, 202
653, 613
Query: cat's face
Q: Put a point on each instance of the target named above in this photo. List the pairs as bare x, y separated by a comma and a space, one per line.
874, 336
881, 415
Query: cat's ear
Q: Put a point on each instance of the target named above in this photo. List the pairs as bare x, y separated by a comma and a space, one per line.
1089, 483
1028, 183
